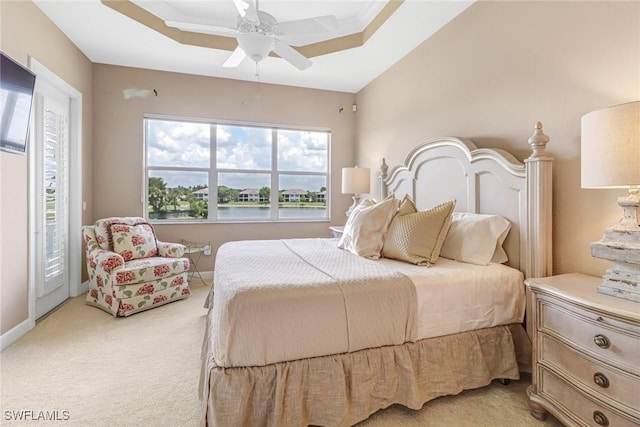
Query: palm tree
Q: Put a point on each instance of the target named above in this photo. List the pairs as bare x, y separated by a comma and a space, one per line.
157, 193
265, 194
173, 197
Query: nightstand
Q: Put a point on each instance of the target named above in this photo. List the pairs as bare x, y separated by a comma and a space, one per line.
336, 231
586, 353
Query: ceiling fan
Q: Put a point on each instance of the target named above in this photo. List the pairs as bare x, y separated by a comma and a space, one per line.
258, 33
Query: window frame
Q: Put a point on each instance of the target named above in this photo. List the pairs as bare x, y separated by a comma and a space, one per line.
213, 171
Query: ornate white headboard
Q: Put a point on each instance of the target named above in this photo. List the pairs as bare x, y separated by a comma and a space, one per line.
484, 180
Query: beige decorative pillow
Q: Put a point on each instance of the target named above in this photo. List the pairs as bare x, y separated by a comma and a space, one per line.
134, 241
417, 236
365, 229
406, 206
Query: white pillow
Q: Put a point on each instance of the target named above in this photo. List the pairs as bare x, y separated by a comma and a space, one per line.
476, 238
365, 229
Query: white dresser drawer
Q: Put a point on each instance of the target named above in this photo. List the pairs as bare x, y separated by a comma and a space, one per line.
601, 339
582, 409
596, 376
586, 352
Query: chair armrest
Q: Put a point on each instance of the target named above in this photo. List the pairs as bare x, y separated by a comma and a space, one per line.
106, 261
171, 250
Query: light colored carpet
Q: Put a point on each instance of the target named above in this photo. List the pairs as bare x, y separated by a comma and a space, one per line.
97, 370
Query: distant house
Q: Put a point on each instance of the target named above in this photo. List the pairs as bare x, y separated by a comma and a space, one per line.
202, 194
295, 195
249, 195
322, 196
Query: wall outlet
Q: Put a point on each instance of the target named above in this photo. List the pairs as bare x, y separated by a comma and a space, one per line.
207, 250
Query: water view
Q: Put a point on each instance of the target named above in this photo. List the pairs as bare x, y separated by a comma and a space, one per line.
246, 213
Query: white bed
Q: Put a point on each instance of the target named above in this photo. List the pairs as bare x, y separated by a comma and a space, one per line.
300, 332
474, 297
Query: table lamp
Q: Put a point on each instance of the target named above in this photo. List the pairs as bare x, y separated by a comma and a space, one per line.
611, 159
355, 181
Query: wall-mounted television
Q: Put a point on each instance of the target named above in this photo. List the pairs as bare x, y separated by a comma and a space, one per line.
16, 96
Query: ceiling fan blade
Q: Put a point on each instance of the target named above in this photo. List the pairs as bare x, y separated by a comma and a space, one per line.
236, 57
317, 25
291, 55
248, 10
201, 28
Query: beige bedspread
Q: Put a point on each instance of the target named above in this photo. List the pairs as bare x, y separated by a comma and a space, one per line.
281, 300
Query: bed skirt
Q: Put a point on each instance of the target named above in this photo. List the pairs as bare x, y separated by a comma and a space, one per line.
343, 389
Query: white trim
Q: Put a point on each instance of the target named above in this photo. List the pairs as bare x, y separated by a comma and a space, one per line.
205, 275
75, 189
12, 335
84, 287
278, 126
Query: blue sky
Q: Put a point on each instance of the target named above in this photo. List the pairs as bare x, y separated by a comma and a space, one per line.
245, 148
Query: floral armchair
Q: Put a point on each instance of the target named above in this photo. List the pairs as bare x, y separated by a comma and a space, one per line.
129, 269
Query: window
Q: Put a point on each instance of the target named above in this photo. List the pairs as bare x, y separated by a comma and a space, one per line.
258, 173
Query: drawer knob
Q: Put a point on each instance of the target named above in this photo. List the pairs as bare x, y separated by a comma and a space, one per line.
601, 341
600, 379
600, 418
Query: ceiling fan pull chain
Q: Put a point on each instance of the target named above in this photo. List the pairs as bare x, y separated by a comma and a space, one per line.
258, 77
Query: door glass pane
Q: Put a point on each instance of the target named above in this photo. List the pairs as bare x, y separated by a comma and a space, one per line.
55, 181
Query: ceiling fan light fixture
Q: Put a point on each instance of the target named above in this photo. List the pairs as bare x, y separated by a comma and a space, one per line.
257, 46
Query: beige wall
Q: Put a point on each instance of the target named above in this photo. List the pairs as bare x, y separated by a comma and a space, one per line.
118, 148
495, 70
25, 31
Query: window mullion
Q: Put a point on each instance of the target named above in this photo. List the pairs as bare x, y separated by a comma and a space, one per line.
275, 186
212, 212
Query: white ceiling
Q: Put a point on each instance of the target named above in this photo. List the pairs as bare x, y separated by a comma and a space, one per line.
108, 37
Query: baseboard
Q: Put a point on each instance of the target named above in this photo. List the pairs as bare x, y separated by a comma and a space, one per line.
84, 287
206, 275
14, 334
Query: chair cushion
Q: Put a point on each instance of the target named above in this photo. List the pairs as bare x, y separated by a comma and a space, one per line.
134, 241
156, 269
103, 228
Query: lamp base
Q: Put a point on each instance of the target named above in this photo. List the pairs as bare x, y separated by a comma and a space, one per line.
622, 280
621, 245
356, 202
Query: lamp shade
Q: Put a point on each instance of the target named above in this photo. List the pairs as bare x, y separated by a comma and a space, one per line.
355, 180
610, 145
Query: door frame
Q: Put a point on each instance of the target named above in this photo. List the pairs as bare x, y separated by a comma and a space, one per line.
76, 287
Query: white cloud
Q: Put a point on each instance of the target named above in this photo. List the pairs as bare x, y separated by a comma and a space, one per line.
302, 151
182, 144
173, 143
